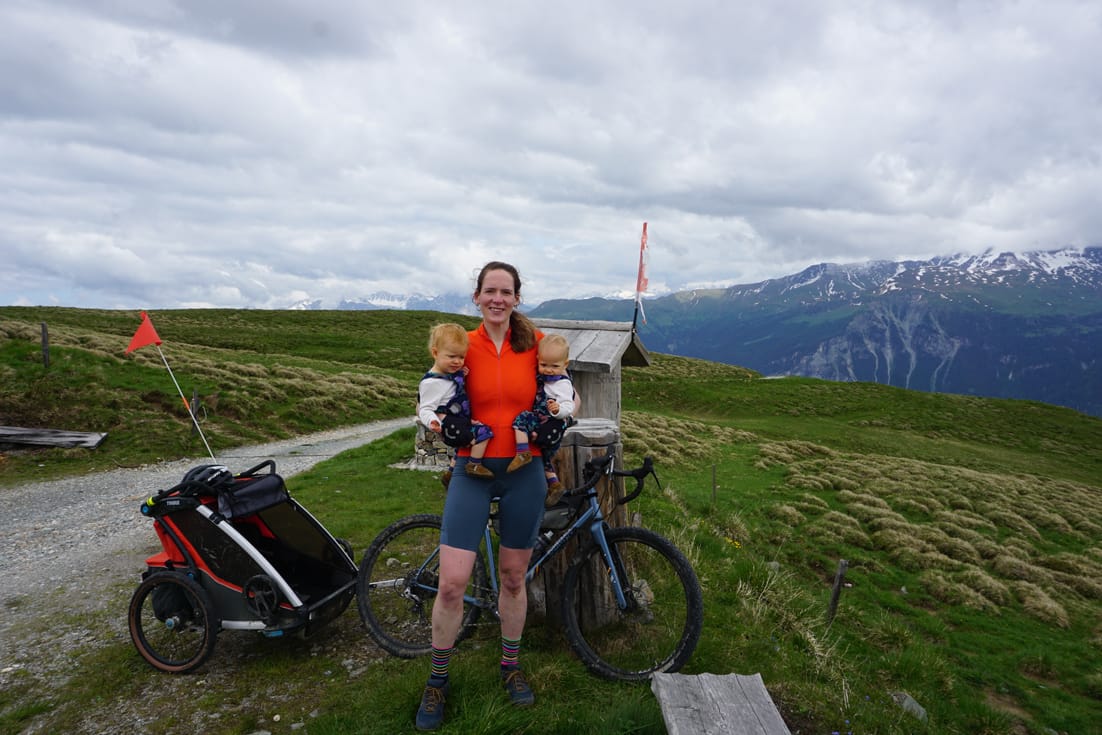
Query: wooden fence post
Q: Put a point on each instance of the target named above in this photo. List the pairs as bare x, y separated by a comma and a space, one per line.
587, 439
839, 580
45, 347
194, 409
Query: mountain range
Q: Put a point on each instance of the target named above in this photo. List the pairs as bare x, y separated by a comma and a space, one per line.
448, 303
999, 324
1003, 325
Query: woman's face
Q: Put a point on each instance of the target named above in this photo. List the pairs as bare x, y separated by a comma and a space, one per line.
498, 297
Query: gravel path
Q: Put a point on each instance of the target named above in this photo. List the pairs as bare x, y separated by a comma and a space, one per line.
69, 538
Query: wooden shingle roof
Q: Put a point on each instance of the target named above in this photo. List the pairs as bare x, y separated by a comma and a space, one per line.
598, 346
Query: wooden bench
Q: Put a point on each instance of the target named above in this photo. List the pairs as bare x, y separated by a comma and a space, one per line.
711, 704
50, 437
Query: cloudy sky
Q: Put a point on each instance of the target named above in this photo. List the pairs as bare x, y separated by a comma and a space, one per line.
237, 153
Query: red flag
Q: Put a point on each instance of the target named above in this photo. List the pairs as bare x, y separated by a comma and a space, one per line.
146, 335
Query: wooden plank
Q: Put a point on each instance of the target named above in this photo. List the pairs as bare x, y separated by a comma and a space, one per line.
590, 350
545, 324
592, 432
598, 346
711, 704
50, 437
605, 352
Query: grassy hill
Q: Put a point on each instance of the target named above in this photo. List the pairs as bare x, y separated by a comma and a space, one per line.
972, 527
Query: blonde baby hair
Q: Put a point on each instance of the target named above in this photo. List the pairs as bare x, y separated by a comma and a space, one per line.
555, 347
448, 333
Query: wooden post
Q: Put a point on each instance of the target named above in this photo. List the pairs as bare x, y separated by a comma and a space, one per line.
839, 580
194, 409
587, 439
45, 347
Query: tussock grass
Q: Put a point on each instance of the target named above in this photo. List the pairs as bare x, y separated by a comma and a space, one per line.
1010, 520
983, 583
953, 592
950, 528
917, 506
896, 541
674, 441
972, 526
787, 515
783, 453
1013, 567
966, 519
872, 513
813, 501
867, 500
774, 600
1082, 565
835, 525
1037, 602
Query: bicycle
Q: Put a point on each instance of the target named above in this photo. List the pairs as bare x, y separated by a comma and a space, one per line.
631, 604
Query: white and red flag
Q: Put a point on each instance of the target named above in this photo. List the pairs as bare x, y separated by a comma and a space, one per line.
147, 335
641, 279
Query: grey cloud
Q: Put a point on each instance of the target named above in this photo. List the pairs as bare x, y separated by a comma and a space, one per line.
261, 150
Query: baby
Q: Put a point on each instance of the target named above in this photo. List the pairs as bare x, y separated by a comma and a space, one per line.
554, 405
442, 403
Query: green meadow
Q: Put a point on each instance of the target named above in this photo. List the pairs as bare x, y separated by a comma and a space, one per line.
972, 530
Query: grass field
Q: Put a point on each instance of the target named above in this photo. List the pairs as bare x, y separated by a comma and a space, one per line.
972, 529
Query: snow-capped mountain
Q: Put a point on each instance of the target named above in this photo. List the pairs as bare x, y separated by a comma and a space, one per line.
998, 324
448, 303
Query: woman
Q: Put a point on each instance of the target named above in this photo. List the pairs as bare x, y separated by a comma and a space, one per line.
500, 385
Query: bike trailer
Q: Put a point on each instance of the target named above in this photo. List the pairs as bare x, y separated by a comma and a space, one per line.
237, 553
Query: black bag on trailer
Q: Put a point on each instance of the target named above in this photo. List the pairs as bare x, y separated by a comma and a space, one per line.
249, 495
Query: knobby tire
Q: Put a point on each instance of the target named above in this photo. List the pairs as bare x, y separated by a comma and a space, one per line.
659, 630
399, 616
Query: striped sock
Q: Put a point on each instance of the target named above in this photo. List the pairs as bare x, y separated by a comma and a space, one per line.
522, 447
440, 659
510, 651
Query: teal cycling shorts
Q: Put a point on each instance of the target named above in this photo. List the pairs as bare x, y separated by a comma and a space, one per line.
520, 510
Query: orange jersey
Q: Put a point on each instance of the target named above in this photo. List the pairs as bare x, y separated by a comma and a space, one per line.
499, 386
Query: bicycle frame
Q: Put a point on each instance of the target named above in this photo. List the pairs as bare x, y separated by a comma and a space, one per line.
592, 517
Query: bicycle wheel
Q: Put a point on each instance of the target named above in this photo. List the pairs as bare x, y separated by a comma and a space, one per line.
172, 622
658, 630
397, 583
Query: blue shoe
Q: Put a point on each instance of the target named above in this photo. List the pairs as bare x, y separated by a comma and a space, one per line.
430, 715
516, 684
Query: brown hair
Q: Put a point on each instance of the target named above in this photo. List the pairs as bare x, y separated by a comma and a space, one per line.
523, 331
447, 333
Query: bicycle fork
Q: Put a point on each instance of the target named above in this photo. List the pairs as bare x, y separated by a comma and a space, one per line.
613, 562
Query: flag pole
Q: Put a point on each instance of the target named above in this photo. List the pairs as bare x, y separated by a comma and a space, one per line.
194, 418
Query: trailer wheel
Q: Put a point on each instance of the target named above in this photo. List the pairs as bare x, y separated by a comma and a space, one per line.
172, 622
